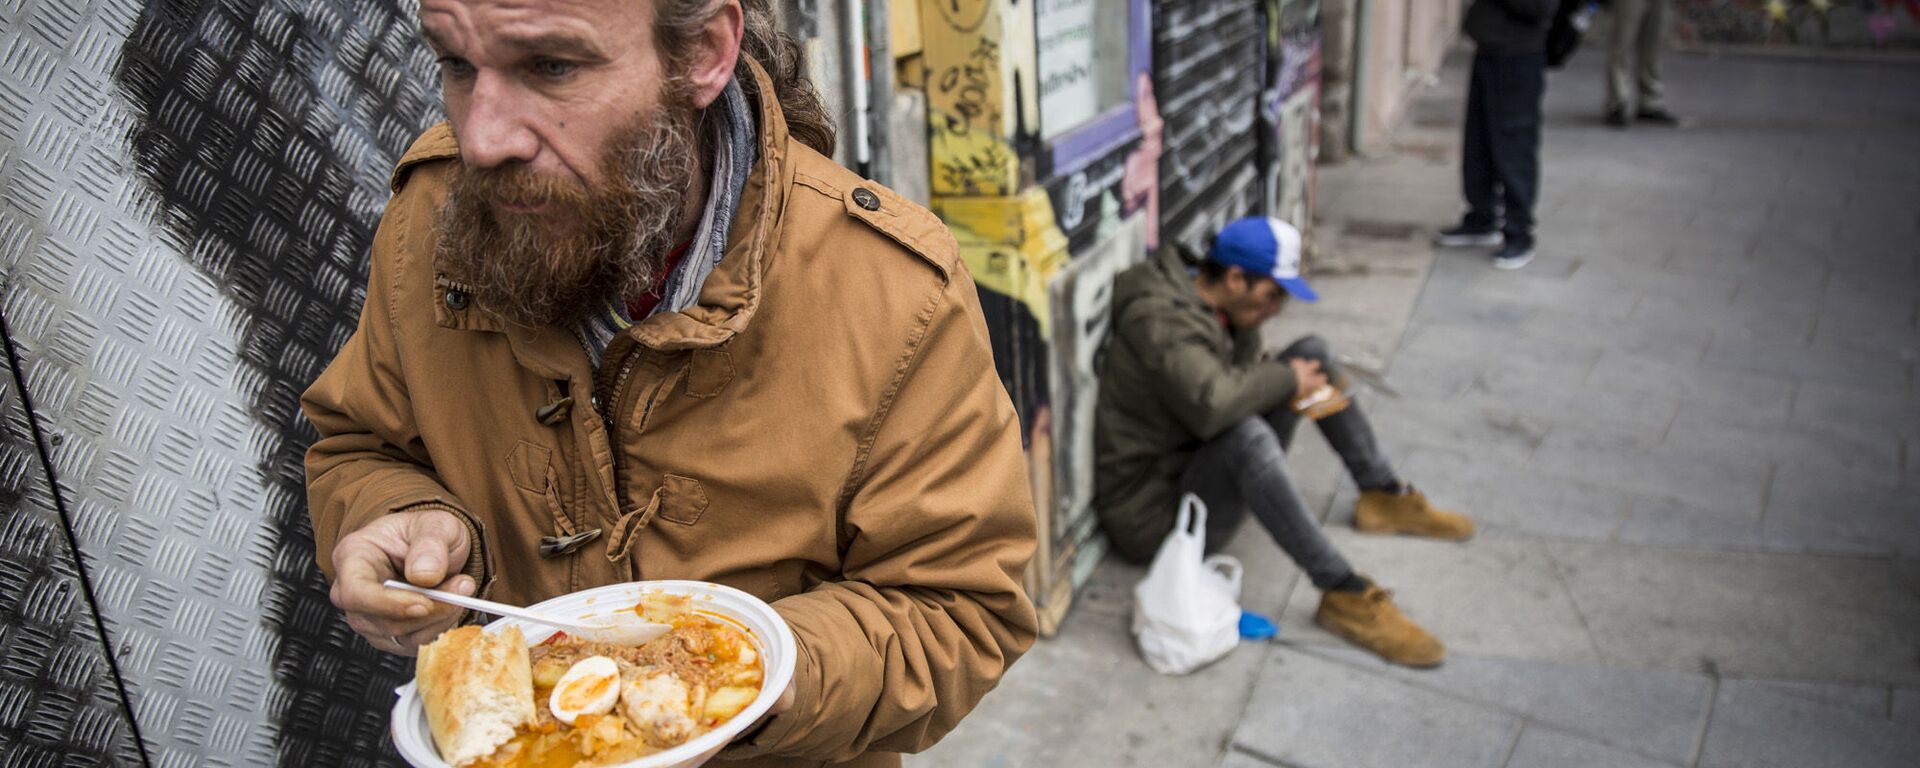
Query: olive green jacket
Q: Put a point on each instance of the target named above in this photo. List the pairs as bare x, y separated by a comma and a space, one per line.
1174, 377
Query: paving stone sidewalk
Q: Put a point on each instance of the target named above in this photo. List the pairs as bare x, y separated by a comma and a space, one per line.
1690, 431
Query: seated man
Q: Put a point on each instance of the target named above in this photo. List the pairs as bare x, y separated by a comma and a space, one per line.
1188, 403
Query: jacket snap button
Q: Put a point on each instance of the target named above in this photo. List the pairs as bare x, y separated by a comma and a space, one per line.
865, 198
456, 300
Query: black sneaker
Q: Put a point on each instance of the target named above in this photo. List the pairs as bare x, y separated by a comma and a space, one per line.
1617, 118
1657, 116
1464, 236
1513, 256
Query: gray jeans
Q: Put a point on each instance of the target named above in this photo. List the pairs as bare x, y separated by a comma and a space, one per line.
1245, 468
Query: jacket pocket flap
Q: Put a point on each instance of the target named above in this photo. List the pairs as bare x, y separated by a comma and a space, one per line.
682, 500
528, 465
679, 499
709, 372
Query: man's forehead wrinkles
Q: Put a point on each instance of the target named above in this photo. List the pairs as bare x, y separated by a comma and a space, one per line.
442, 26
536, 27
554, 42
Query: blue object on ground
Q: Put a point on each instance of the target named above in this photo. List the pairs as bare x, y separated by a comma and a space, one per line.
1254, 626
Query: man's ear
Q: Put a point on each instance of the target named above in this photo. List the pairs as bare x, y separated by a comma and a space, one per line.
716, 51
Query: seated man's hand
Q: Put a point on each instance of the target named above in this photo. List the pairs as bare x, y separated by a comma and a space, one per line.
428, 549
1307, 375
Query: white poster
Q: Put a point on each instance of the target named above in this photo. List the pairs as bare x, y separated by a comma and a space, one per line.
1082, 296
1065, 33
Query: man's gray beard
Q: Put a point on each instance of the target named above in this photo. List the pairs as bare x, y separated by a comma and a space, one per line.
590, 246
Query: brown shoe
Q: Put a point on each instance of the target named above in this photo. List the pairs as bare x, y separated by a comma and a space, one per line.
1370, 620
1408, 513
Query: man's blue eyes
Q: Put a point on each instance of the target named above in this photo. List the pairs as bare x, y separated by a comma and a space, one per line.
554, 68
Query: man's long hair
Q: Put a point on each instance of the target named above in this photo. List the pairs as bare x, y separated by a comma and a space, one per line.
677, 23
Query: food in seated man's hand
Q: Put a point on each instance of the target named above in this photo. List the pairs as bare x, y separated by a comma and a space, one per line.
1325, 401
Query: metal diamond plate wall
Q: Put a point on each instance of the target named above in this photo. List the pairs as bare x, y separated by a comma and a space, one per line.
187, 193
59, 703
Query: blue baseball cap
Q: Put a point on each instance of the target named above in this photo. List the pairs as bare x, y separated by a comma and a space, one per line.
1263, 245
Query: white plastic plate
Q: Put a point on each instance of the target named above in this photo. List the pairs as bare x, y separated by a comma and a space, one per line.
770, 634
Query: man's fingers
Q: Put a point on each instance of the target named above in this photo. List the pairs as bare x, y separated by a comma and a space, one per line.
433, 538
358, 588
459, 585
427, 549
398, 645
405, 635
375, 628
427, 562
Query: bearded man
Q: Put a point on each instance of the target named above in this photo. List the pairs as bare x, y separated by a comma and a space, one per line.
626, 321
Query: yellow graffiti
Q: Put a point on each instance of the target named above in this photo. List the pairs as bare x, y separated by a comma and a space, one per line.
1008, 237
1011, 245
967, 99
971, 163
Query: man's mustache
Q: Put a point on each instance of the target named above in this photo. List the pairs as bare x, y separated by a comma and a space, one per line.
518, 185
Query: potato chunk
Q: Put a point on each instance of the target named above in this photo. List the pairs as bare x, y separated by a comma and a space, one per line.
548, 671
728, 701
664, 608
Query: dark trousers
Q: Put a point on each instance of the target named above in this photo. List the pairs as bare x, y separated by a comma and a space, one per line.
1500, 164
1245, 470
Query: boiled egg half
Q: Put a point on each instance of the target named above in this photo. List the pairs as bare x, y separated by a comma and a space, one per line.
590, 687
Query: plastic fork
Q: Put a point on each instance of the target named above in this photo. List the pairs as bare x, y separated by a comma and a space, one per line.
625, 627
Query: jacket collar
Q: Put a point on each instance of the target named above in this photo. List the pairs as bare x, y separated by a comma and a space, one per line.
1179, 278
729, 297
732, 292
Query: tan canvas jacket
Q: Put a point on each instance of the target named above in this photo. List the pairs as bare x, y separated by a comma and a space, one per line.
824, 430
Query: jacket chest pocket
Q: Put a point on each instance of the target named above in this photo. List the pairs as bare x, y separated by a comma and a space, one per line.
530, 467
678, 499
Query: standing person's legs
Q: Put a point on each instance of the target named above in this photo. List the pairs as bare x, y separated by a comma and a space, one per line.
1244, 469
1629, 18
1348, 431
1477, 174
1652, 42
1517, 84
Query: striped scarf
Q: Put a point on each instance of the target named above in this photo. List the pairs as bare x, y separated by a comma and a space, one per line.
735, 144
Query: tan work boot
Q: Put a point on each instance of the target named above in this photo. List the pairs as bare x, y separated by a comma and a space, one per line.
1370, 620
1408, 513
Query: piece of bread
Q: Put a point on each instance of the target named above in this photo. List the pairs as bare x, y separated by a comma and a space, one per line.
478, 690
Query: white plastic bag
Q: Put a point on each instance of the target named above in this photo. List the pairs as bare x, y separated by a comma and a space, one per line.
1186, 612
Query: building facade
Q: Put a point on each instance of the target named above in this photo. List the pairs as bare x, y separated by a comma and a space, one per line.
1068, 138
187, 192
